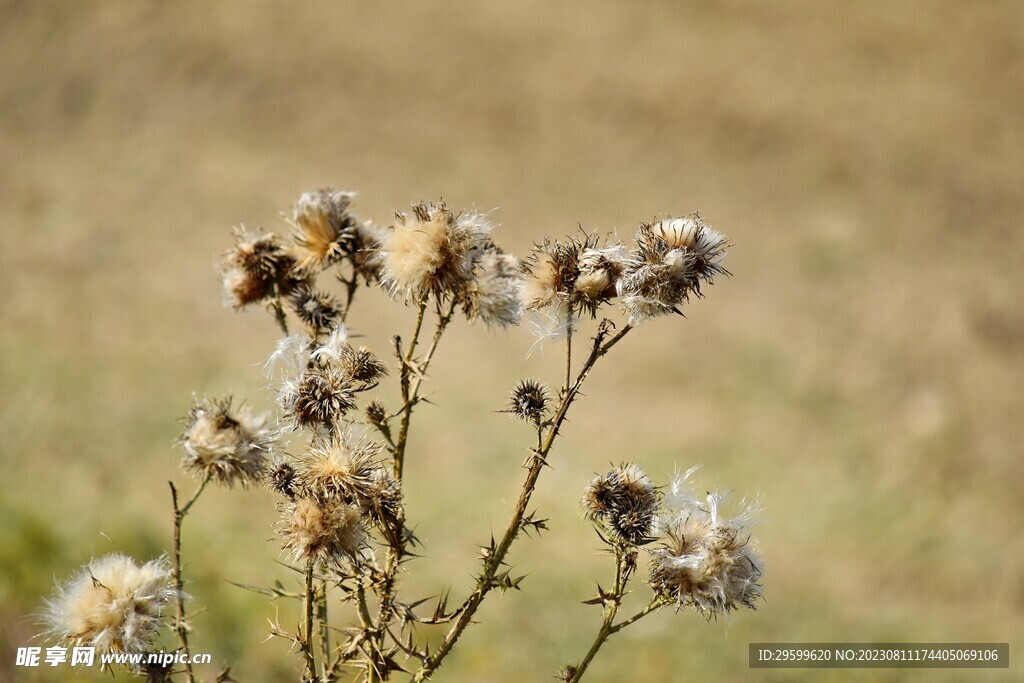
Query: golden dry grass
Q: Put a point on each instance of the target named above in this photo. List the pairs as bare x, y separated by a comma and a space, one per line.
862, 369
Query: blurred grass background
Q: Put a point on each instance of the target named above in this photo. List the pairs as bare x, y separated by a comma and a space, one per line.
862, 370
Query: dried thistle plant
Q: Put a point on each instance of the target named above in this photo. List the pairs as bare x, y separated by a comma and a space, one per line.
333, 459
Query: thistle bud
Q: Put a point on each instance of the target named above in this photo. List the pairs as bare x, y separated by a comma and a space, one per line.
377, 414
529, 401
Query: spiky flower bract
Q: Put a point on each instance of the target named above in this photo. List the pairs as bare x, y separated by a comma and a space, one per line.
493, 293
624, 502
529, 401
229, 446
432, 251
325, 230
705, 560
112, 604
256, 268
324, 531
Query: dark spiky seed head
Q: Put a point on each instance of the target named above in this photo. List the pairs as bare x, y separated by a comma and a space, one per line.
281, 479
376, 413
362, 365
319, 399
529, 401
318, 311
624, 502
255, 268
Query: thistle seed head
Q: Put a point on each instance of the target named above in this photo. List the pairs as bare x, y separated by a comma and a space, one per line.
432, 251
325, 531
366, 256
342, 469
671, 260
318, 399
705, 560
624, 502
550, 273
112, 604
319, 312
376, 414
493, 293
707, 245
361, 365
658, 279
255, 268
600, 270
325, 230
381, 501
280, 479
230, 446
529, 401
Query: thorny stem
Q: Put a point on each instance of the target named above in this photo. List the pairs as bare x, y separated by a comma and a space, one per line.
404, 374
307, 642
411, 386
180, 625
568, 353
325, 629
496, 557
367, 623
410, 395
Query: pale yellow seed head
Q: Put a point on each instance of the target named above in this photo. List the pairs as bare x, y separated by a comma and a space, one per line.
112, 604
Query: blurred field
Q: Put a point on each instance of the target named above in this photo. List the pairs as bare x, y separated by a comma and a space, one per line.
863, 368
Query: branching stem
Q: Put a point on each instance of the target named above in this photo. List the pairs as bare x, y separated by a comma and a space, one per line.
495, 559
